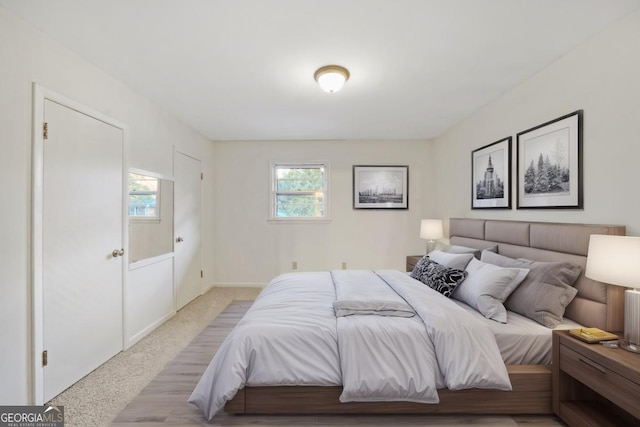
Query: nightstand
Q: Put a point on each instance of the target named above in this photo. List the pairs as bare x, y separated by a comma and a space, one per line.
412, 260
594, 385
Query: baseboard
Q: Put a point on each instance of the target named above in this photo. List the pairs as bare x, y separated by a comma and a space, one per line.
146, 331
237, 285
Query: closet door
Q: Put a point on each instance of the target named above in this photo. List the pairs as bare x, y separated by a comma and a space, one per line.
188, 202
82, 242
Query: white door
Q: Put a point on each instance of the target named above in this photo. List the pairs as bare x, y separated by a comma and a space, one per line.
82, 226
187, 209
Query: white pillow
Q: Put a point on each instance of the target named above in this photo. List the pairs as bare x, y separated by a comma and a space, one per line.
487, 286
455, 249
450, 260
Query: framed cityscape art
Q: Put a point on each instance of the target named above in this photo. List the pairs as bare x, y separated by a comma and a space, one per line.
381, 187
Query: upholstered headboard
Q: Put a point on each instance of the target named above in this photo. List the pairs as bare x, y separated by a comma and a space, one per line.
596, 305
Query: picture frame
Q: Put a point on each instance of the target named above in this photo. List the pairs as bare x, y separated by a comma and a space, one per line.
550, 164
491, 175
380, 187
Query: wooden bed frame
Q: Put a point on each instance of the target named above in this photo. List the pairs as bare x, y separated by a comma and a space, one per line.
596, 305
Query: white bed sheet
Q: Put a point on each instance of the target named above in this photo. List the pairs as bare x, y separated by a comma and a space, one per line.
521, 341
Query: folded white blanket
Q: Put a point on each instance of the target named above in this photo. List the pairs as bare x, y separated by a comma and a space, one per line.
364, 292
378, 308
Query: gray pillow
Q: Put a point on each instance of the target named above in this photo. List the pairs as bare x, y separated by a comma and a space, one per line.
487, 286
546, 291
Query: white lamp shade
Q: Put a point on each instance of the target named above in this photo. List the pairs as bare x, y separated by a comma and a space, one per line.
614, 260
431, 229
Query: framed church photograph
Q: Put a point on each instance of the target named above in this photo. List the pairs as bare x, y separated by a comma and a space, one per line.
491, 176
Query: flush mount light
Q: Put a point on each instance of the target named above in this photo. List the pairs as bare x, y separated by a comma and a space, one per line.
331, 78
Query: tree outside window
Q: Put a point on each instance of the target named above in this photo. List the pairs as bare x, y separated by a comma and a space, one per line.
299, 191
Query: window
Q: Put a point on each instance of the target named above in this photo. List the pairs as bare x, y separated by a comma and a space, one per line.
299, 191
144, 197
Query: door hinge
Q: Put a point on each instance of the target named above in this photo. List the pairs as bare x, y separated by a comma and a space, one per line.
45, 358
45, 130
201, 274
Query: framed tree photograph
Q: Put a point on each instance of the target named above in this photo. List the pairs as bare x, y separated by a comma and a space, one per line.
381, 187
550, 164
491, 176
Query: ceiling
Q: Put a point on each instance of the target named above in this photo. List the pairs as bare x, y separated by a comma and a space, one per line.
243, 69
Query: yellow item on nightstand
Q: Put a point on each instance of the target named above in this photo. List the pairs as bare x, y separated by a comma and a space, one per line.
592, 335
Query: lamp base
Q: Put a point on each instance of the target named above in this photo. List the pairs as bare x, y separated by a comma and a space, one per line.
430, 246
631, 321
635, 348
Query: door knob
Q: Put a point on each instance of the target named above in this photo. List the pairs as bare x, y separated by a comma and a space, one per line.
117, 252
179, 239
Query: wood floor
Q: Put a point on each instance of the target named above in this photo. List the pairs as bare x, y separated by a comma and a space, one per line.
164, 401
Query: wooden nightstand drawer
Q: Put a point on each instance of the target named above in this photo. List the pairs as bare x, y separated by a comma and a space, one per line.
601, 379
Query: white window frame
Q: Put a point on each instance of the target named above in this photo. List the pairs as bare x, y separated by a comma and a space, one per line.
147, 219
273, 165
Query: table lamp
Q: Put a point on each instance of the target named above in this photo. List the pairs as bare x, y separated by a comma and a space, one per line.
431, 230
616, 260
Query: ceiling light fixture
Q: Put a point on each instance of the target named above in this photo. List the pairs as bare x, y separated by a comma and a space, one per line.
331, 78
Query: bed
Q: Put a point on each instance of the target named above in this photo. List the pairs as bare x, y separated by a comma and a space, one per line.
595, 304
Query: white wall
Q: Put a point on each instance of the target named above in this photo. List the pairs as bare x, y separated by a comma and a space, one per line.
150, 299
602, 78
249, 249
28, 56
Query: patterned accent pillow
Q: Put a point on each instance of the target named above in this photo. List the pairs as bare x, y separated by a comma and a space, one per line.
418, 269
438, 277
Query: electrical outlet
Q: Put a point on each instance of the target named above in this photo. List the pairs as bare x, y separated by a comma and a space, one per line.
294, 265
344, 265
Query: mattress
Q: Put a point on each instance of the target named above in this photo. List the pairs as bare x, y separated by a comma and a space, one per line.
521, 341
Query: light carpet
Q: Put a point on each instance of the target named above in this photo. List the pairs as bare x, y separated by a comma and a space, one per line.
96, 399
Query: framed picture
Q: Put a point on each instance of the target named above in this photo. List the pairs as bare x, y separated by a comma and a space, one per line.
550, 164
491, 176
381, 187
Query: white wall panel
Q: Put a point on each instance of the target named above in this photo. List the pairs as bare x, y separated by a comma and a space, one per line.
148, 298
